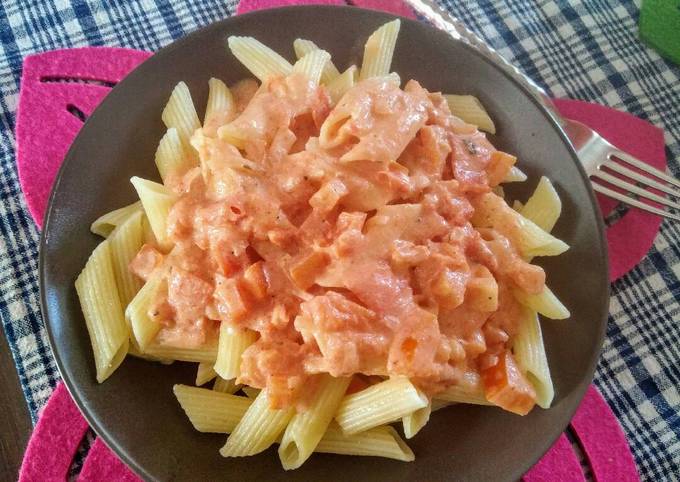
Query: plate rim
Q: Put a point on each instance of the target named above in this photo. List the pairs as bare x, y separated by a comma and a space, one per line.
79, 397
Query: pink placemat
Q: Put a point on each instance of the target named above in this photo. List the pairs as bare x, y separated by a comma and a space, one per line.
59, 89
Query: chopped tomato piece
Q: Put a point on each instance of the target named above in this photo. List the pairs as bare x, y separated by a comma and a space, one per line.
231, 302
255, 280
506, 386
148, 258
499, 166
305, 270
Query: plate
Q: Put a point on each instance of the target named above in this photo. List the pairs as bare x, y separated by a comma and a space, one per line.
135, 411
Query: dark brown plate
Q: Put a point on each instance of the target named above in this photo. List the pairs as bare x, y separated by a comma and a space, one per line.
135, 411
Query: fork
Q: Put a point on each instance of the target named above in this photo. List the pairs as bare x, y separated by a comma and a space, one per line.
599, 158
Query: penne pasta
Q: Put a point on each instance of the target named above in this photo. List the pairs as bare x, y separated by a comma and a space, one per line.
103, 312
125, 241
306, 429
204, 373
173, 155
157, 201
180, 113
312, 64
382, 441
534, 241
545, 303
438, 404
204, 354
379, 50
470, 110
105, 224
416, 420
544, 206
302, 47
259, 59
144, 328
529, 352
492, 212
149, 237
515, 175
209, 410
135, 351
232, 343
220, 103
259, 428
468, 391
225, 386
379, 404
342, 83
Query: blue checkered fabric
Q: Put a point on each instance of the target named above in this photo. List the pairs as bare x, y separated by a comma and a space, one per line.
585, 49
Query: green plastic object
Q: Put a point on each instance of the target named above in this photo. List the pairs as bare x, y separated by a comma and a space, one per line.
660, 27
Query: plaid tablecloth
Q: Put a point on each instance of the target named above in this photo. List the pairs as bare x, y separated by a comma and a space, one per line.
585, 49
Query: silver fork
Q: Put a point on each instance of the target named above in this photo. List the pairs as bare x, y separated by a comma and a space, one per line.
599, 158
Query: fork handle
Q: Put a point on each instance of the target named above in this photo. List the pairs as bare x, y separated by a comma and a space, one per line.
443, 20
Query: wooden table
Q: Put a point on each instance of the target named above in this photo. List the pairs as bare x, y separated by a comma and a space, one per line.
15, 423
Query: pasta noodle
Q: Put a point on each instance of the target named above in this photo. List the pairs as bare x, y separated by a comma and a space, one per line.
220, 101
416, 420
312, 64
144, 328
471, 110
379, 50
232, 343
204, 354
204, 373
225, 386
259, 428
530, 355
180, 113
157, 201
382, 441
173, 155
125, 242
262, 61
438, 404
209, 410
379, 404
544, 206
342, 83
99, 300
464, 394
104, 225
492, 212
135, 351
303, 47
545, 303
306, 429
515, 175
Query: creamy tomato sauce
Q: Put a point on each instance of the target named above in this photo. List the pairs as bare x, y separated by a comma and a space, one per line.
345, 236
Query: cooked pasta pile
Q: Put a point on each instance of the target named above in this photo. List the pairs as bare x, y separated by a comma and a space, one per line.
336, 248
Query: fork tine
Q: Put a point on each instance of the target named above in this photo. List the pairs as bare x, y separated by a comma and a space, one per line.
633, 202
625, 157
648, 182
637, 190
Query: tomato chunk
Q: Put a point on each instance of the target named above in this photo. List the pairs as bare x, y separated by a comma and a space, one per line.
506, 386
